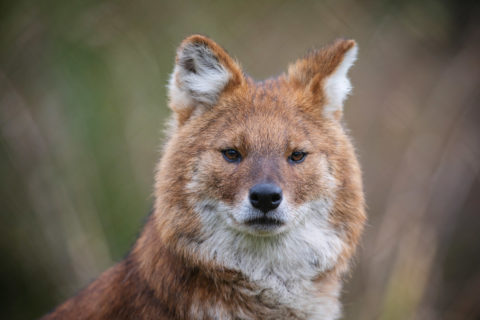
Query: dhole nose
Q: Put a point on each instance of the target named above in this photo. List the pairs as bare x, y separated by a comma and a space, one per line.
265, 196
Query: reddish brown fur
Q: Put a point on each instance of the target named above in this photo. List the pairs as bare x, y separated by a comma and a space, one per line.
265, 122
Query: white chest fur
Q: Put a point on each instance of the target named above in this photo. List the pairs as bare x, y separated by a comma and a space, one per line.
281, 267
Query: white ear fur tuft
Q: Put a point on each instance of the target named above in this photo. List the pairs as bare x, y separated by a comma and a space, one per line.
337, 85
198, 77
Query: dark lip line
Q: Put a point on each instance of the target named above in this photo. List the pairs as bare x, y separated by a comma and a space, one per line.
264, 221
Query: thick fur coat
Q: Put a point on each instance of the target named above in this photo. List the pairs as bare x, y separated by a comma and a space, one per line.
207, 250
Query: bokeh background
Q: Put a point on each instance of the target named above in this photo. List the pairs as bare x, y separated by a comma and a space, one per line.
83, 103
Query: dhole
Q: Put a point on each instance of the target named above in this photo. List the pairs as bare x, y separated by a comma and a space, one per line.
258, 198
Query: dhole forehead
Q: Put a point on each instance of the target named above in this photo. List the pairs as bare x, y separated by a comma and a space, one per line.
264, 116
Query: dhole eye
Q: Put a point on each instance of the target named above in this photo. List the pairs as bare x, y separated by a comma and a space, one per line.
297, 156
232, 155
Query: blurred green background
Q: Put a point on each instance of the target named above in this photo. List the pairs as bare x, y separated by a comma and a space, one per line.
83, 103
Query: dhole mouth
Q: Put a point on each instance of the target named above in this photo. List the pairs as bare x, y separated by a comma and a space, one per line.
264, 222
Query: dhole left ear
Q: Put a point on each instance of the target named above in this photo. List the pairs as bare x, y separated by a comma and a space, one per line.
323, 74
203, 71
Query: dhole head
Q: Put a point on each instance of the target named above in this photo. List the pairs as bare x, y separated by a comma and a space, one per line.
249, 163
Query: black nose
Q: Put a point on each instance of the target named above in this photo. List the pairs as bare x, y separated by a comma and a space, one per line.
265, 196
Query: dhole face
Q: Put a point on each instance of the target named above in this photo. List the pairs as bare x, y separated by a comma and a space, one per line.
260, 177
265, 127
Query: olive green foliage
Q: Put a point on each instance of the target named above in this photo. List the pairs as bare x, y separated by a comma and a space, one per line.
83, 104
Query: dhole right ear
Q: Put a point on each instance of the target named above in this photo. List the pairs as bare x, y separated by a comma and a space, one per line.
203, 71
323, 74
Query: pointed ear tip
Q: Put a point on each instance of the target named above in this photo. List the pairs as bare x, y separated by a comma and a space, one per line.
187, 41
196, 38
351, 43
351, 49
200, 41
192, 40
347, 47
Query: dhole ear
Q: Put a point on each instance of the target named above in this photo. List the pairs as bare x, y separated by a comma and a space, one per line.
203, 71
323, 73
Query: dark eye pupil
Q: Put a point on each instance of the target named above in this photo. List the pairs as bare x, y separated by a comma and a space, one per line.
231, 155
297, 156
